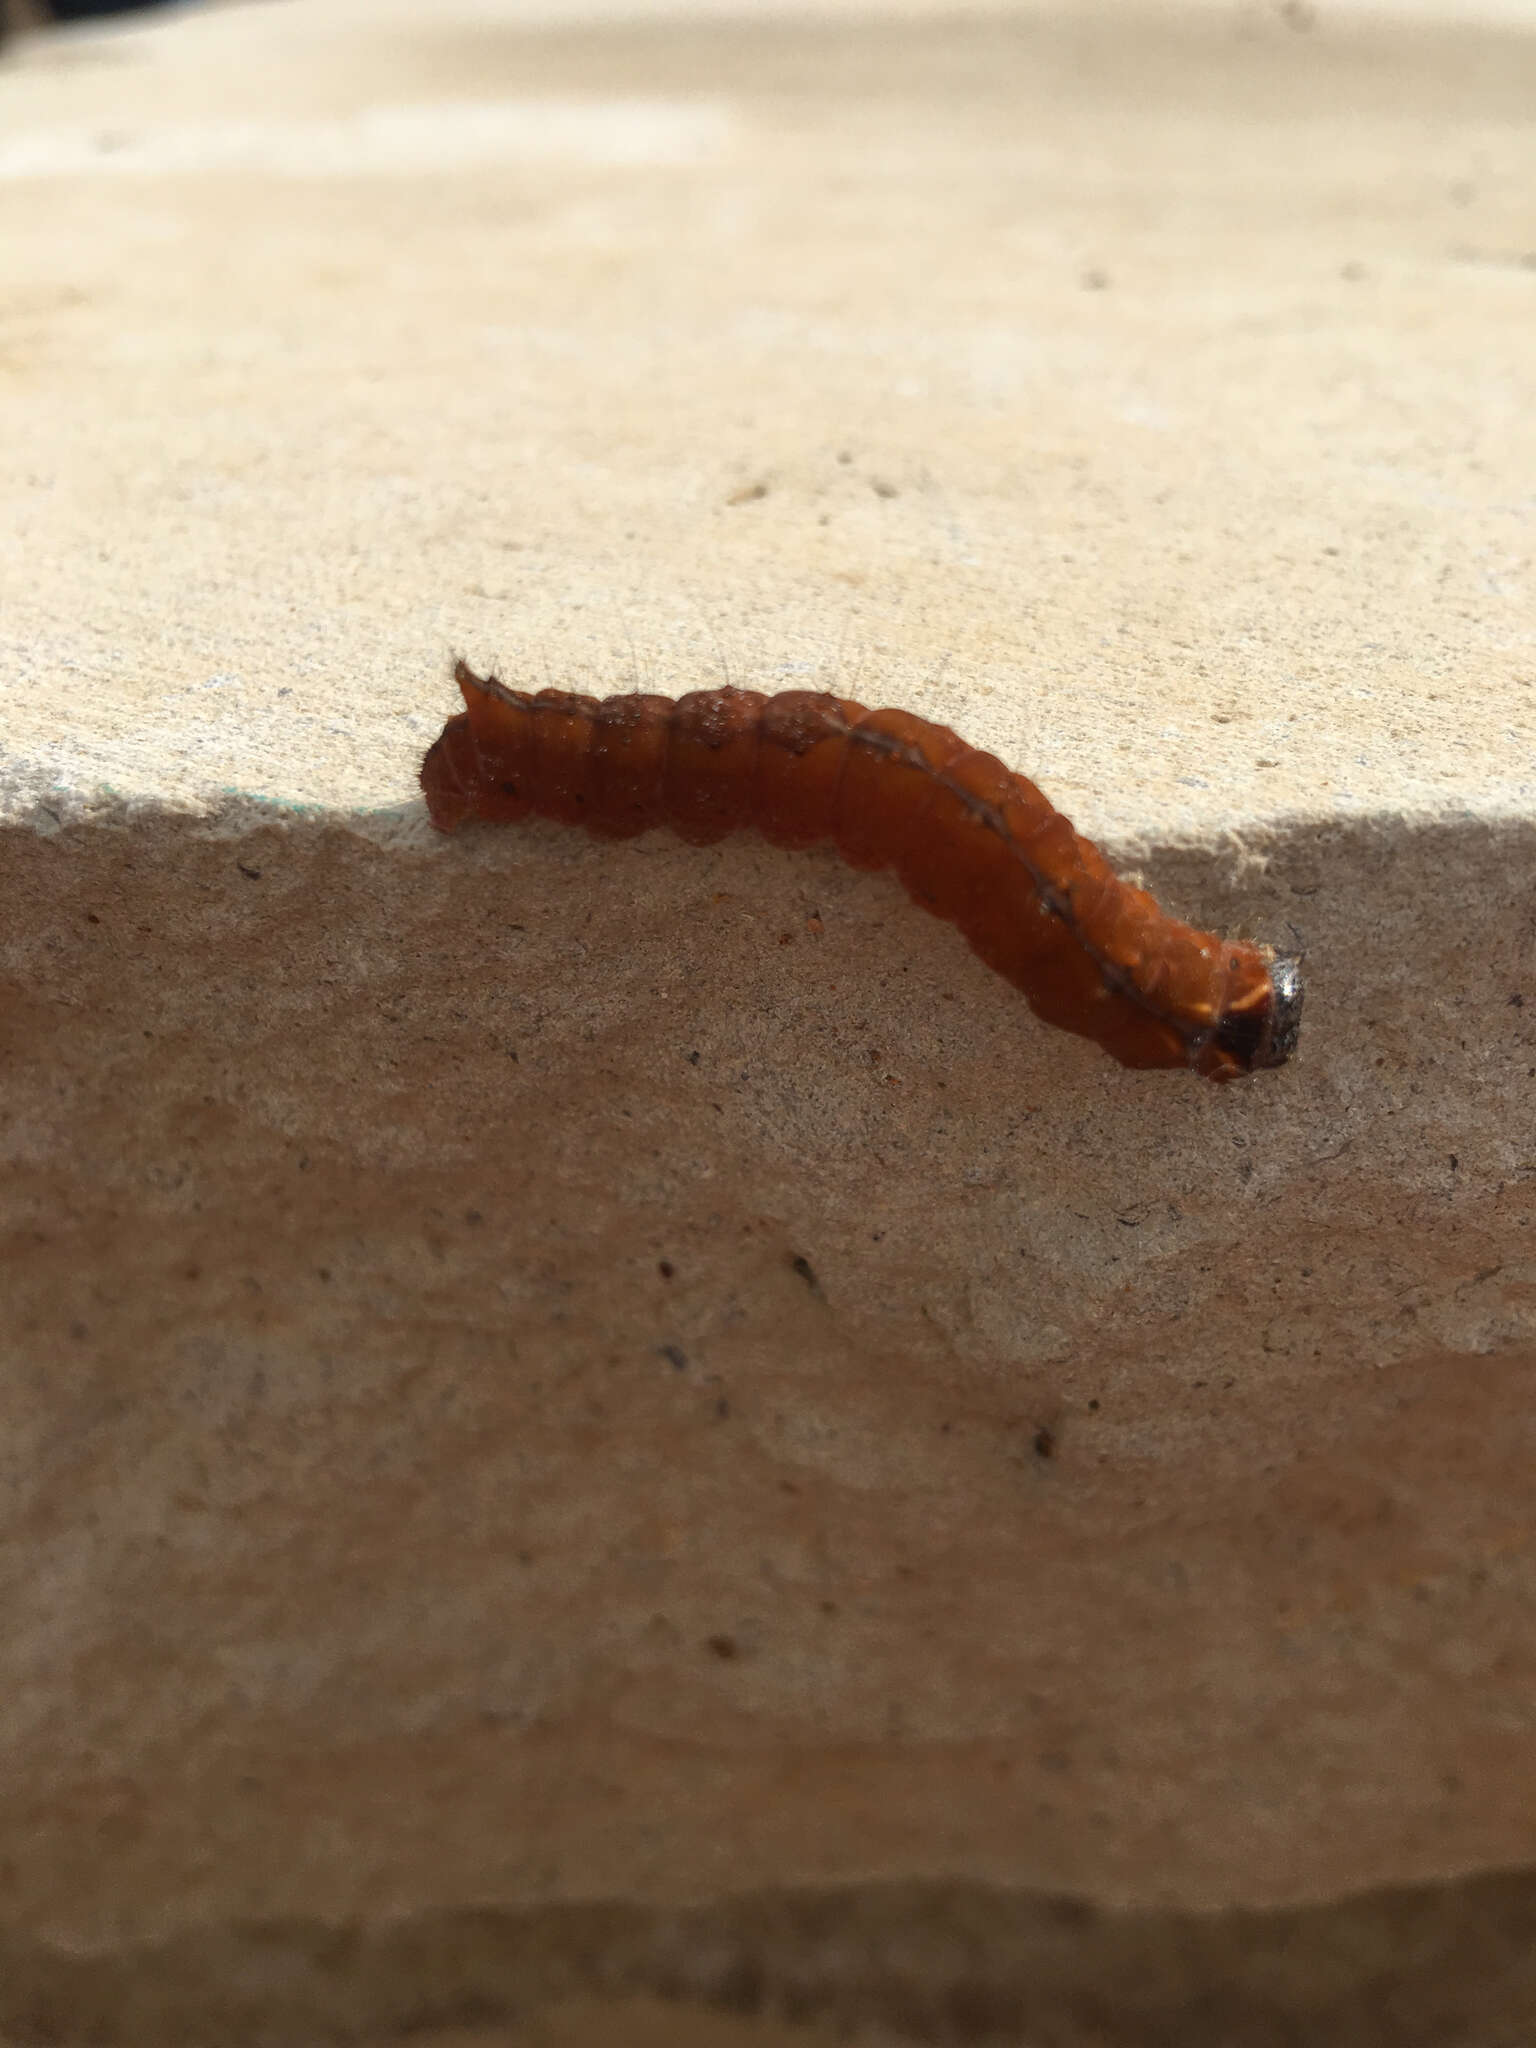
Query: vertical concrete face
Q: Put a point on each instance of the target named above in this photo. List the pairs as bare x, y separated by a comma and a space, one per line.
580, 1420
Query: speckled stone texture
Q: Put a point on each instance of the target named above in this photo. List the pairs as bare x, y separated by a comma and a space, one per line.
585, 1427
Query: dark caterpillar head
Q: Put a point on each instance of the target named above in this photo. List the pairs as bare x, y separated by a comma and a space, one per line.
1265, 1034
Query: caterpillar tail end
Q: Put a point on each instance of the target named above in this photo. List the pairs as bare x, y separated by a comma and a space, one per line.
446, 780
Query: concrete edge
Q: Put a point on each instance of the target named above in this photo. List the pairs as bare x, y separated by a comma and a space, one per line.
1436, 1964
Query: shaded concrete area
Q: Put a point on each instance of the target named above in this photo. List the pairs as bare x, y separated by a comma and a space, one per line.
679, 1426
1448, 1967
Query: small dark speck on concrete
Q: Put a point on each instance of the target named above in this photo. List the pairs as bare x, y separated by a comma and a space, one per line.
250, 874
806, 1271
665, 1268
1095, 280
674, 1356
1045, 1443
724, 1647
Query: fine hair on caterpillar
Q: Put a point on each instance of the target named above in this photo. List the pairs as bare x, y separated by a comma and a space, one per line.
970, 840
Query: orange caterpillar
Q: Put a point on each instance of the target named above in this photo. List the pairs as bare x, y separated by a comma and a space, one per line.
970, 840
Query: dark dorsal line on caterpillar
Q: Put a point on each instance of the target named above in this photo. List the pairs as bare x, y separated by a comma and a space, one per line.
970, 840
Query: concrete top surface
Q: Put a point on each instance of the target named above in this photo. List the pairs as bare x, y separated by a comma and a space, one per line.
1146, 393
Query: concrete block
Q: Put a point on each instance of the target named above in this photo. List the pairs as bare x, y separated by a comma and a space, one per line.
594, 1424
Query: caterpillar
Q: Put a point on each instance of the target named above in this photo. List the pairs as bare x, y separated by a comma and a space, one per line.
970, 841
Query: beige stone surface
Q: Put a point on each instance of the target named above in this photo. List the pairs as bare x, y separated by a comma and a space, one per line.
583, 1421
336, 335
